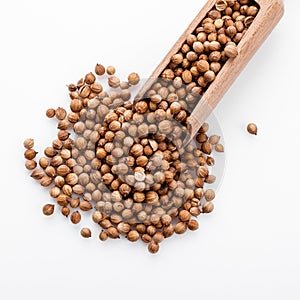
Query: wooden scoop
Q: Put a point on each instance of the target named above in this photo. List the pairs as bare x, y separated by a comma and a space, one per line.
269, 14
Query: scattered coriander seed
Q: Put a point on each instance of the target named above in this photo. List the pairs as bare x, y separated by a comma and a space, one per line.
252, 128
43, 162
133, 236
65, 211
75, 217
29, 143
85, 206
30, 164
214, 139
50, 113
86, 232
206, 147
209, 195
210, 179
113, 81
89, 78
50, 171
184, 215
48, 209
153, 247
45, 181
158, 237
110, 70
60, 113
37, 174
74, 203
208, 207
180, 228
219, 148
99, 70
193, 225
30, 154
133, 78
113, 233
103, 236
146, 238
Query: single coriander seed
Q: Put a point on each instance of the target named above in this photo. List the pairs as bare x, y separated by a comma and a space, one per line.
208, 207
65, 211
60, 113
231, 51
99, 70
219, 148
89, 78
193, 225
133, 78
103, 236
30, 154
30, 164
50, 113
48, 209
153, 247
86, 232
252, 128
110, 70
29, 143
75, 217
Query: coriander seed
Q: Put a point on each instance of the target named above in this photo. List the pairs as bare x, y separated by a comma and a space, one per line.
214, 139
37, 174
133, 78
103, 236
45, 181
50, 113
219, 148
30, 164
208, 207
252, 128
133, 236
180, 228
60, 113
184, 215
30, 154
221, 5
29, 143
75, 217
209, 195
113, 81
231, 51
48, 209
99, 70
153, 247
65, 211
86, 233
193, 225
113, 233
110, 70
89, 78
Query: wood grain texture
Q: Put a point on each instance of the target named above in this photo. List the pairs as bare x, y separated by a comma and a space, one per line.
268, 16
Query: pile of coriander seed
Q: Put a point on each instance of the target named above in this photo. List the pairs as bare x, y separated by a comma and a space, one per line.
125, 164
123, 158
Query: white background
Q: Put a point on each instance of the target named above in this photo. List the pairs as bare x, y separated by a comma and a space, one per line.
247, 249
